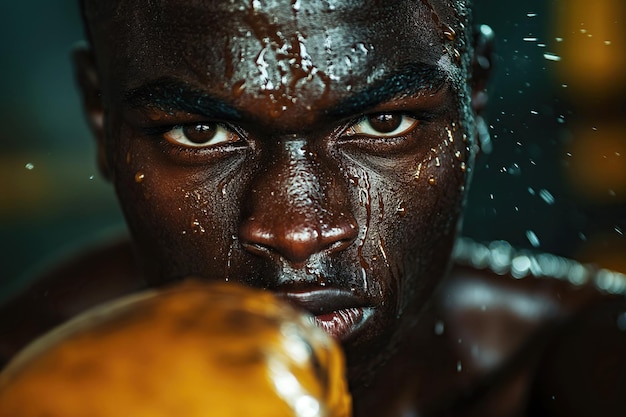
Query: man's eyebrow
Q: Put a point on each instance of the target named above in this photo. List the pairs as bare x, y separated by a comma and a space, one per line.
167, 95
407, 80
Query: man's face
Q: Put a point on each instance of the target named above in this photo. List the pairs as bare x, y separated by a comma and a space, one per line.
316, 149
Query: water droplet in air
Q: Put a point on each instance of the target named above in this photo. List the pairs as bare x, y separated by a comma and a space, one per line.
546, 196
514, 169
459, 366
29, 166
439, 328
551, 57
533, 239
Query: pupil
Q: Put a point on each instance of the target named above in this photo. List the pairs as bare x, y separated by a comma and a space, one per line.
385, 123
200, 133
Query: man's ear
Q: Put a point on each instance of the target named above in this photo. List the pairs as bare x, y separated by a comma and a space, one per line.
88, 81
482, 63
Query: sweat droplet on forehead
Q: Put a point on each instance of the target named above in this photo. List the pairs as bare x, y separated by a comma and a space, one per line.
271, 61
283, 66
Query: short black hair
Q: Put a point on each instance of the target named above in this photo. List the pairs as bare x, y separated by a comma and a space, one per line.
91, 10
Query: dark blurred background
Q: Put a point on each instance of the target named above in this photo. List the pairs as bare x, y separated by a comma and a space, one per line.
555, 180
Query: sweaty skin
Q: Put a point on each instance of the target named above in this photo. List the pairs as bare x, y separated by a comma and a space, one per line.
321, 151
307, 150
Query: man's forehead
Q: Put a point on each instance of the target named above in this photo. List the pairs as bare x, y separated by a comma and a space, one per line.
281, 50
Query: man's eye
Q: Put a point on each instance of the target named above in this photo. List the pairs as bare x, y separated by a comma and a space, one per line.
200, 135
387, 125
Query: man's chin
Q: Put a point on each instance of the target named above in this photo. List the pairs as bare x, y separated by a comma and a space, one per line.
368, 351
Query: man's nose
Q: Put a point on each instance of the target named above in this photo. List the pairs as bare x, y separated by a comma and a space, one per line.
297, 208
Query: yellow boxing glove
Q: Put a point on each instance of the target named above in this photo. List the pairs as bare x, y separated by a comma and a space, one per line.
194, 350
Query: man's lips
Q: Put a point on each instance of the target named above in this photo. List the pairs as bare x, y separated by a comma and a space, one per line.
343, 323
340, 313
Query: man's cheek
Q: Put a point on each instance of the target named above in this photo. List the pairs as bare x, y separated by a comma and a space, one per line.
418, 226
173, 220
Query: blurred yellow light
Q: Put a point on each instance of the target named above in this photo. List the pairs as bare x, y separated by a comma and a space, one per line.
593, 46
597, 166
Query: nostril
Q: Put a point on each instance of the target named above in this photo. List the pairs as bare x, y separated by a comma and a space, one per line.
294, 241
341, 236
254, 238
257, 249
339, 245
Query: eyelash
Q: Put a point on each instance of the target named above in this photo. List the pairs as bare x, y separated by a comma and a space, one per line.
406, 125
378, 142
191, 153
218, 134
387, 145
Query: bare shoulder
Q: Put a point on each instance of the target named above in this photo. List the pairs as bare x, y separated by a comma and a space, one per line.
548, 332
78, 281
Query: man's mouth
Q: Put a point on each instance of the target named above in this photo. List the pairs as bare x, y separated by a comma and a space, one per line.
340, 313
